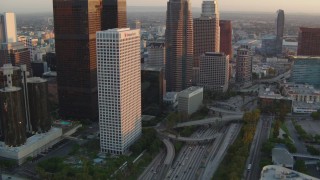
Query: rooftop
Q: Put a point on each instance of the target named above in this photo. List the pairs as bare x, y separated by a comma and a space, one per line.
145, 67
306, 58
273, 172
214, 54
292, 88
191, 91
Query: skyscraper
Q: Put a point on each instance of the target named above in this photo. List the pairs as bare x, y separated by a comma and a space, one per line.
119, 84
76, 23
309, 42
226, 37
114, 14
244, 66
156, 54
8, 28
279, 30
206, 34
16, 54
179, 45
214, 71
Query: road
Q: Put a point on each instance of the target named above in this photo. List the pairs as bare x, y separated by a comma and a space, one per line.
213, 120
218, 153
261, 136
301, 148
191, 158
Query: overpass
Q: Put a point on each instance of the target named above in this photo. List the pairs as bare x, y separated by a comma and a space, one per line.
214, 120
278, 78
305, 156
170, 152
225, 111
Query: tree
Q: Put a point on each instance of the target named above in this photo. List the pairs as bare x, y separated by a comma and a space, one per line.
276, 129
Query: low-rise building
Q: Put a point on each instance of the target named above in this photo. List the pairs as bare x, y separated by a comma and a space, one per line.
306, 99
190, 100
273, 172
171, 98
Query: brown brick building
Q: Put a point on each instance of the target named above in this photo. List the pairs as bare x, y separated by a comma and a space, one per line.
226, 37
309, 42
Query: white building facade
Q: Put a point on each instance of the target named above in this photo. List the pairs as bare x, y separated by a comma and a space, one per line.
119, 89
190, 100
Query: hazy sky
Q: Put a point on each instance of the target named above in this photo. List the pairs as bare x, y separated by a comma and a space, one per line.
300, 6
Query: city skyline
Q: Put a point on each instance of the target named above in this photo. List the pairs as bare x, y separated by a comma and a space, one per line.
294, 6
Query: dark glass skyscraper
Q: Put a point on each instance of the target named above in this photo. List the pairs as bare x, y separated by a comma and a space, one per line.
114, 14
279, 30
76, 23
179, 45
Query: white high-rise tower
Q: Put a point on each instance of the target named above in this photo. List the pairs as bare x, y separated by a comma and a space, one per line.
119, 89
8, 28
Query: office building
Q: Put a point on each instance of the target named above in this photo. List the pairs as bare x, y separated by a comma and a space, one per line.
76, 23
206, 34
190, 100
16, 54
226, 37
306, 98
156, 55
51, 60
179, 45
279, 30
8, 28
306, 70
152, 90
269, 45
214, 71
114, 14
39, 68
119, 87
244, 67
309, 42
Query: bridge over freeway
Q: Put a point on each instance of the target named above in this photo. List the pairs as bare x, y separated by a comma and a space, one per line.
214, 120
305, 156
225, 111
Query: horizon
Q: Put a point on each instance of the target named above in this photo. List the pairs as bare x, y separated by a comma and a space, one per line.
262, 6
194, 9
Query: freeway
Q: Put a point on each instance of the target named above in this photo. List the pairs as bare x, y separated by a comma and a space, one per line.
261, 135
224, 119
218, 153
191, 157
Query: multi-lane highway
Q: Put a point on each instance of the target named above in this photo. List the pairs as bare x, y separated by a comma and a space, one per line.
191, 157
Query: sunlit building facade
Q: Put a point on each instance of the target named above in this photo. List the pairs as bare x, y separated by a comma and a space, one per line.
119, 89
206, 34
8, 28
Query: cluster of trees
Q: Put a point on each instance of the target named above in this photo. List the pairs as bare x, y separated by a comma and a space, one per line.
316, 115
148, 141
7, 164
234, 163
56, 168
313, 151
213, 95
302, 133
300, 166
